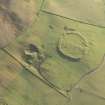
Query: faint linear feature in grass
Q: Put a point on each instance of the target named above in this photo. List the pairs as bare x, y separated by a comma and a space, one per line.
35, 73
51, 13
90, 72
90, 93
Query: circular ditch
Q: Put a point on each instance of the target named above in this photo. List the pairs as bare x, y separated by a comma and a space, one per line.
72, 45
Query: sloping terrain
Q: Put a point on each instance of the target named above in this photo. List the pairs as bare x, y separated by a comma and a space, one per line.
48, 58
15, 16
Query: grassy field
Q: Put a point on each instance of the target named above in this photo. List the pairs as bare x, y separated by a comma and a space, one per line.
87, 11
55, 61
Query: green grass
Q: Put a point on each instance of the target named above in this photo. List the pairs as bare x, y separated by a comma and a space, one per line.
72, 45
91, 11
24, 88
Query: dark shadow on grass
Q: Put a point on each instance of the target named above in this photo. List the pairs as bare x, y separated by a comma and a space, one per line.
67, 57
